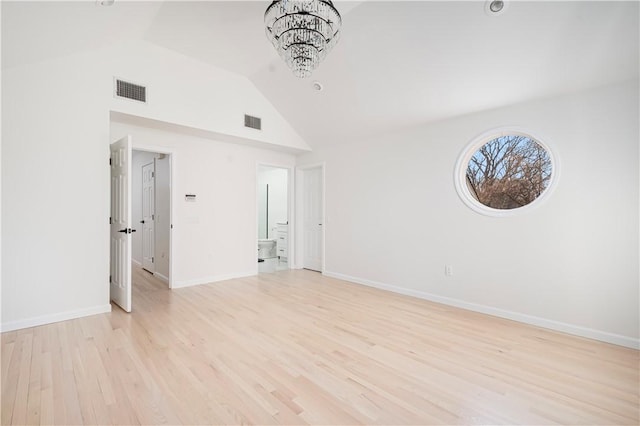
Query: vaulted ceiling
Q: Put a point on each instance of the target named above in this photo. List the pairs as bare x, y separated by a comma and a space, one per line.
397, 64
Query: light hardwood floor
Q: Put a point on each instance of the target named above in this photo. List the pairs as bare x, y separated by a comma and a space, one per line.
295, 347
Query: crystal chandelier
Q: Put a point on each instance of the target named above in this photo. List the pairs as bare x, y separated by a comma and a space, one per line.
302, 31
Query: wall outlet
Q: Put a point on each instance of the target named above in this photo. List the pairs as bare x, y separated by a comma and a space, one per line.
448, 270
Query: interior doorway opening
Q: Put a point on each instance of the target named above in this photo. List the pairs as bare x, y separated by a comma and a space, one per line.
273, 210
151, 212
127, 186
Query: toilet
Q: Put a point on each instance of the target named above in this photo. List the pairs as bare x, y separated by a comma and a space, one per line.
266, 248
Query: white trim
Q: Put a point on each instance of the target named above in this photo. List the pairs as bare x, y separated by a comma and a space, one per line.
161, 277
212, 279
136, 262
459, 174
576, 330
48, 319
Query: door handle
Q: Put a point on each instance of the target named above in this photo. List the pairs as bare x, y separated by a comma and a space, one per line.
127, 230
142, 221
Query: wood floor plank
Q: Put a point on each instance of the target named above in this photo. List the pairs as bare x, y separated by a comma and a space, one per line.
35, 379
9, 380
22, 388
296, 347
46, 391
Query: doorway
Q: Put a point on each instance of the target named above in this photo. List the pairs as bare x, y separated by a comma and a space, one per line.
310, 196
273, 211
126, 187
151, 212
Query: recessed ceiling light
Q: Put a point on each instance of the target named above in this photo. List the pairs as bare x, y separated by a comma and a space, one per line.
317, 86
495, 7
105, 2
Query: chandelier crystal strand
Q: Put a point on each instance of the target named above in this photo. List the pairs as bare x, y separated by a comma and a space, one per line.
302, 32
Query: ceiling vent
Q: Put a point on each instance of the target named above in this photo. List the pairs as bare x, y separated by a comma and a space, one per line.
252, 122
127, 90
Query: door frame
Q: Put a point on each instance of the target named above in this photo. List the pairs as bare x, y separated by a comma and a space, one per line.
172, 194
299, 182
290, 208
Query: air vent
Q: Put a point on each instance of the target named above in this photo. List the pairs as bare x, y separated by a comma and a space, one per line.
127, 90
252, 122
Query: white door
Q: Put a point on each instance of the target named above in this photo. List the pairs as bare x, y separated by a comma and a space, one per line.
148, 216
121, 223
313, 219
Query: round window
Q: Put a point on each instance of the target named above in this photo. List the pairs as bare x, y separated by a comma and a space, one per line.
503, 172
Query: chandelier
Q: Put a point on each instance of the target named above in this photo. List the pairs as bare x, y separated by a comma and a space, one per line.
302, 31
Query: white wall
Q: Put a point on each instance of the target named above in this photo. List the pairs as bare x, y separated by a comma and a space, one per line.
55, 216
277, 179
140, 158
184, 91
394, 218
55, 174
215, 236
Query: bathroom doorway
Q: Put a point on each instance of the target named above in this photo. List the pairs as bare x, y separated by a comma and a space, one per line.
273, 218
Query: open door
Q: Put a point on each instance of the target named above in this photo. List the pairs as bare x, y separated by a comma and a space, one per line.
120, 278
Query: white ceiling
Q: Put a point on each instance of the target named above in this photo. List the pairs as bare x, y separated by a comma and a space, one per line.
33, 31
397, 63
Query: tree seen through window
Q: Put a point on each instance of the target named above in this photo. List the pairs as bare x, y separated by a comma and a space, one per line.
509, 172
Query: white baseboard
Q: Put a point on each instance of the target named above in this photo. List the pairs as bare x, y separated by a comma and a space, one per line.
577, 330
212, 279
162, 277
136, 262
48, 319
